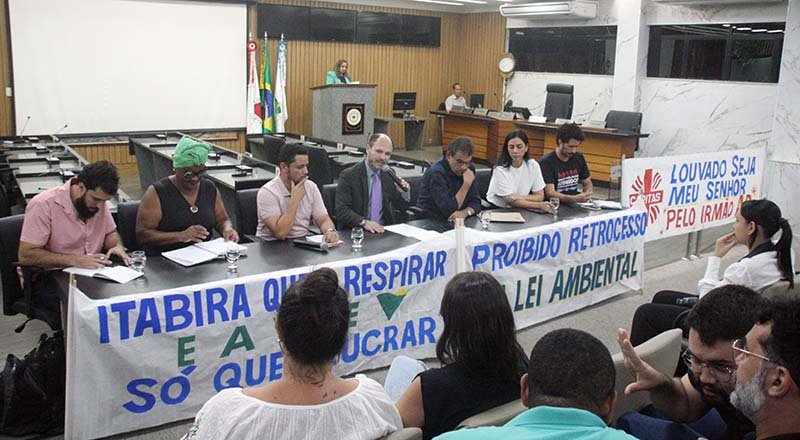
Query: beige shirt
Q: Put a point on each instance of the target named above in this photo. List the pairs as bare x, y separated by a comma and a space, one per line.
273, 201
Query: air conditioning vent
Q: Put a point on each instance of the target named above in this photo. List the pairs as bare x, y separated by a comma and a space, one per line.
578, 9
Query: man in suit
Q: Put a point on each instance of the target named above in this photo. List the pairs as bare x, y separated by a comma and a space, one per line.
366, 195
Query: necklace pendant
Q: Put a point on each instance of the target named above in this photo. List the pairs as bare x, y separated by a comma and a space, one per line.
193, 209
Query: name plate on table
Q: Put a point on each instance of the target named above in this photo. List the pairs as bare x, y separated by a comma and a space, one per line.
481, 111
537, 119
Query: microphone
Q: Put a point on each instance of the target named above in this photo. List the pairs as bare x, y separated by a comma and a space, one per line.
55, 138
388, 170
311, 245
24, 126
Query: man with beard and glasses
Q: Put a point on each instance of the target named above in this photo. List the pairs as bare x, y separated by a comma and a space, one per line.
71, 225
722, 316
768, 373
564, 169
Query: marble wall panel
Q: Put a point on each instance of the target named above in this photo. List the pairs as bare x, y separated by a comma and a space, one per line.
592, 92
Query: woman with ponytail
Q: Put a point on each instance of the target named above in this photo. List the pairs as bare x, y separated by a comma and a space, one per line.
757, 223
309, 401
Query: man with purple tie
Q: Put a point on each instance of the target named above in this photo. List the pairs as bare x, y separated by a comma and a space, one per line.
366, 194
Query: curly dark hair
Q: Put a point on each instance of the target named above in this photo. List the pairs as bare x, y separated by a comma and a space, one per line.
725, 313
569, 131
102, 174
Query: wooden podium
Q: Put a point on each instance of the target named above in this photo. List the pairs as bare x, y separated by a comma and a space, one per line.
344, 113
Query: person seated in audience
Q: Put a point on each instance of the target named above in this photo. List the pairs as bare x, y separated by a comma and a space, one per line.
517, 180
71, 225
564, 169
339, 74
719, 318
456, 99
184, 208
766, 263
366, 195
482, 361
768, 372
448, 189
309, 401
288, 203
569, 388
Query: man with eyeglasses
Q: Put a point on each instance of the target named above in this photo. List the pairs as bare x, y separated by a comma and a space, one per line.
184, 208
722, 316
768, 373
448, 190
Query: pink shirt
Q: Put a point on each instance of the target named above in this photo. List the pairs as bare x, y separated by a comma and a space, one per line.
52, 222
273, 201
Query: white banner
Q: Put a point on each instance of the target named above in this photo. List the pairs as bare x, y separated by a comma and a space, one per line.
143, 360
683, 194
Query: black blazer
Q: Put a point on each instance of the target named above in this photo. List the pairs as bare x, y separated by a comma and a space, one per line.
352, 198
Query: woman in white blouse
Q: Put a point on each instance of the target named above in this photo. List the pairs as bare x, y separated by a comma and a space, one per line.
309, 401
517, 180
766, 263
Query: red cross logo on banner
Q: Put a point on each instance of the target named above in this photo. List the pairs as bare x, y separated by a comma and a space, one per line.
648, 188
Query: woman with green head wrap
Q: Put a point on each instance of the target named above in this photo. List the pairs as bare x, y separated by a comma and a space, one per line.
183, 208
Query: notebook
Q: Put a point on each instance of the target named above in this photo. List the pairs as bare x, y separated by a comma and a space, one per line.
200, 252
120, 274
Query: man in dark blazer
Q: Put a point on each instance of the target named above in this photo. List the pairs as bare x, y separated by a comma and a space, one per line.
355, 196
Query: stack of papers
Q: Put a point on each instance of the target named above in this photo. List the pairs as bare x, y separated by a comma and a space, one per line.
120, 274
200, 252
412, 231
608, 204
507, 217
319, 238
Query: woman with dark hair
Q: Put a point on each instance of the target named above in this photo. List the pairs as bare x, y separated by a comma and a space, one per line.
766, 263
309, 401
482, 362
339, 74
516, 180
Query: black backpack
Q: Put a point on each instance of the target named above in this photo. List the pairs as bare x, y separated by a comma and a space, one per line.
32, 389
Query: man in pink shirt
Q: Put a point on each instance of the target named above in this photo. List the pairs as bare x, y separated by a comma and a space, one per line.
289, 203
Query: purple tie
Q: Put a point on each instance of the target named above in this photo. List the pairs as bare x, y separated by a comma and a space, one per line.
375, 200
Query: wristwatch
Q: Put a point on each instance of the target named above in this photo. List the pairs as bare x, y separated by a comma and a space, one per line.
362, 222
331, 230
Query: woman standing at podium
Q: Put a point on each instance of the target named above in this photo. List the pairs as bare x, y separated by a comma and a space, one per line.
339, 74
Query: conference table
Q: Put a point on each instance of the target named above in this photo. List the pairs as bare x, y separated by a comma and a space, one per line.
268, 256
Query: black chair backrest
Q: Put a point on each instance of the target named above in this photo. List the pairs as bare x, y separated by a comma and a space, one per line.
509, 104
272, 147
5, 206
329, 198
319, 166
442, 107
10, 230
247, 211
414, 182
558, 103
126, 225
482, 178
625, 121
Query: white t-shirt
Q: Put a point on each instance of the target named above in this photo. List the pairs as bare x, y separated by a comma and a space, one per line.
452, 101
523, 180
364, 413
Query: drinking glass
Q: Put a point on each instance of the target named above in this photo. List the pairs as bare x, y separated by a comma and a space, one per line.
486, 219
555, 202
138, 261
232, 255
357, 237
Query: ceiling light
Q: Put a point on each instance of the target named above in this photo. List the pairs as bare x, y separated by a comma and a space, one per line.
584, 9
726, 25
775, 31
440, 2
476, 2
744, 29
758, 30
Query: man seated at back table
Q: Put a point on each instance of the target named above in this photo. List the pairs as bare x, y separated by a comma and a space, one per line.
289, 203
564, 169
448, 189
71, 225
366, 195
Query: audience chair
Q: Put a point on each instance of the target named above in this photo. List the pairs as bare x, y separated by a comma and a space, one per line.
558, 103
126, 225
404, 434
319, 166
780, 291
625, 121
414, 212
662, 353
497, 416
483, 177
247, 213
272, 147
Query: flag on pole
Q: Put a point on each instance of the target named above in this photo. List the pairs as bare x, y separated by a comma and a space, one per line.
266, 89
254, 119
281, 111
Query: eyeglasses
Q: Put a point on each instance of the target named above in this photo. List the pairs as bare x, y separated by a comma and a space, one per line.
189, 174
739, 345
720, 372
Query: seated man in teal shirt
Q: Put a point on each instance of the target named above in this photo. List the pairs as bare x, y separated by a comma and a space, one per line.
569, 389
339, 74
